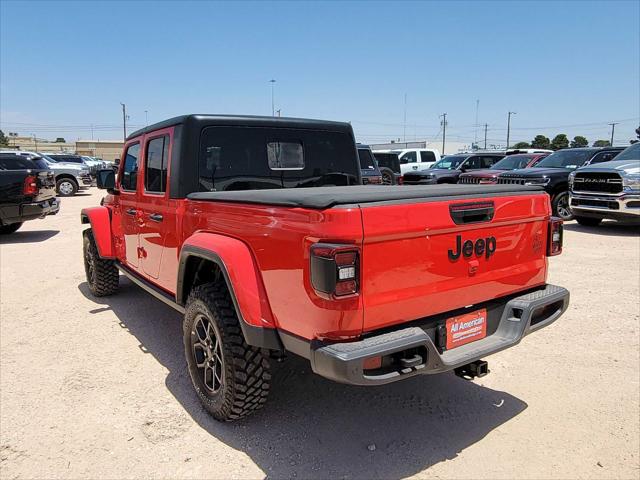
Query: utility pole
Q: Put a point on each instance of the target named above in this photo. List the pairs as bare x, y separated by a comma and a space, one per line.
613, 129
273, 105
146, 118
404, 131
509, 128
92, 131
278, 112
35, 141
124, 120
444, 129
475, 125
485, 135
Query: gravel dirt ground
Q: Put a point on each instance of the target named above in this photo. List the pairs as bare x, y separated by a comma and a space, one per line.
97, 388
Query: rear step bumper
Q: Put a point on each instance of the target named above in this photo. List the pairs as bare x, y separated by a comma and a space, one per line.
343, 362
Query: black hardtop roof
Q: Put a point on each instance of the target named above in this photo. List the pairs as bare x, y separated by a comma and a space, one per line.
202, 120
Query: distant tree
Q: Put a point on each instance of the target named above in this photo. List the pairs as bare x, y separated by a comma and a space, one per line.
541, 142
521, 145
602, 143
60, 140
579, 141
3, 140
559, 141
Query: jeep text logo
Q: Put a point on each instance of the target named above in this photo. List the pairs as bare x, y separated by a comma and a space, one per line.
481, 246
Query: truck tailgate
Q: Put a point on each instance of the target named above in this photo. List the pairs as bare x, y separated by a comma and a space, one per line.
418, 261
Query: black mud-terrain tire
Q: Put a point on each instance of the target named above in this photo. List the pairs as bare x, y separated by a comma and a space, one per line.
589, 221
388, 178
102, 275
242, 371
65, 187
560, 206
11, 228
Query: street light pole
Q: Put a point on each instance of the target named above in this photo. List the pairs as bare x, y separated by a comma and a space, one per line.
146, 118
509, 127
35, 141
273, 105
444, 130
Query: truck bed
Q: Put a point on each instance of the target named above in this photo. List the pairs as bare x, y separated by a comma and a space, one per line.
326, 197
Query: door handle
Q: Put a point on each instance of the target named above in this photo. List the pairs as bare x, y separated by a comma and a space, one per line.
131, 211
156, 217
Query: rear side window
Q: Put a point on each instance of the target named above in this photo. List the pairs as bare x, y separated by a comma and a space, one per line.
366, 160
155, 170
427, 157
130, 167
251, 158
15, 162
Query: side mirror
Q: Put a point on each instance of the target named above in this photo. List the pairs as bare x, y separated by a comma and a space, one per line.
106, 179
116, 161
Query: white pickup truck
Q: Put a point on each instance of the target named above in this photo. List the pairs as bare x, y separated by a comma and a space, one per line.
414, 159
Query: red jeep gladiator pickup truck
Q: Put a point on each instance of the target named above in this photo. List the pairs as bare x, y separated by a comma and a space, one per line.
258, 230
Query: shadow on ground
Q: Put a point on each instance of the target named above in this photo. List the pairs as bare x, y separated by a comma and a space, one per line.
314, 428
32, 236
607, 228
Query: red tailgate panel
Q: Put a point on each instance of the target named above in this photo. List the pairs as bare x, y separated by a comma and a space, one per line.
406, 270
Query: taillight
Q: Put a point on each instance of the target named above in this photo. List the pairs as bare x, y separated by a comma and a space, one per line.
335, 269
30, 186
554, 241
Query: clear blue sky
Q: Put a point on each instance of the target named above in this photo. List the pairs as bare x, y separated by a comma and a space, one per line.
67, 65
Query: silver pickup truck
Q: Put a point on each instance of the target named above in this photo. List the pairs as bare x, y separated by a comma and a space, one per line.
607, 190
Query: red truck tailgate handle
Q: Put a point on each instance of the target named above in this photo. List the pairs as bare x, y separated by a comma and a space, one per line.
474, 212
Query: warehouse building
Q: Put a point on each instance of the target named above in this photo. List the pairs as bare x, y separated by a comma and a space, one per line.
105, 149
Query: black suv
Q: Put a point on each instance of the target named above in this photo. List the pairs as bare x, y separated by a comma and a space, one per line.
389, 165
449, 168
552, 173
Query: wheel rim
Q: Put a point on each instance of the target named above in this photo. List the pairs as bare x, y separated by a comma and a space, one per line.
207, 354
386, 179
563, 206
66, 188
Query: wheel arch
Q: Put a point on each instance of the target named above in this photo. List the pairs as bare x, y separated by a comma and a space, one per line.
68, 176
100, 221
207, 257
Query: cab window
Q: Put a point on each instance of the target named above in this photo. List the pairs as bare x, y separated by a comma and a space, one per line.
155, 169
130, 167
604, 157
409, 157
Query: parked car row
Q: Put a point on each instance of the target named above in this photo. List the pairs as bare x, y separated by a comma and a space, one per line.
544, 168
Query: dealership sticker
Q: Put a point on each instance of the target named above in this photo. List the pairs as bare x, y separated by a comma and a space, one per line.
466, 328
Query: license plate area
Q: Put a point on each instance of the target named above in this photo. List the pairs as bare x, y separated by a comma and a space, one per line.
465, 328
